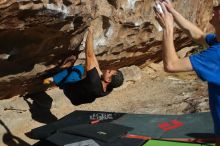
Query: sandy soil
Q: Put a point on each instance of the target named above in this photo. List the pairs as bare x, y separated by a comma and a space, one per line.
155, 92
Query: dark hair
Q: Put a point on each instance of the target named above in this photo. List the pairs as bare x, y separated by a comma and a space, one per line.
117, 80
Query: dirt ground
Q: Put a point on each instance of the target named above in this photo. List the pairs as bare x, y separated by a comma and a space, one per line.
156, 92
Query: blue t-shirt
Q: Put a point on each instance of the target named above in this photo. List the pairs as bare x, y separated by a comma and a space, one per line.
207, 66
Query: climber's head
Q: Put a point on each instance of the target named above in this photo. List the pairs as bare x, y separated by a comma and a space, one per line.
114, 78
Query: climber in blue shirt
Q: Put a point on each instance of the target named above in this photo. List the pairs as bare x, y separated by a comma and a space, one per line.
206, 63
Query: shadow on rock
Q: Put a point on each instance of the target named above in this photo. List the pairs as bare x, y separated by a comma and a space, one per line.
40, 105
11, 140
203, 137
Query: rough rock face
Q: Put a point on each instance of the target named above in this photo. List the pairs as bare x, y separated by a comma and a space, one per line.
34, 35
